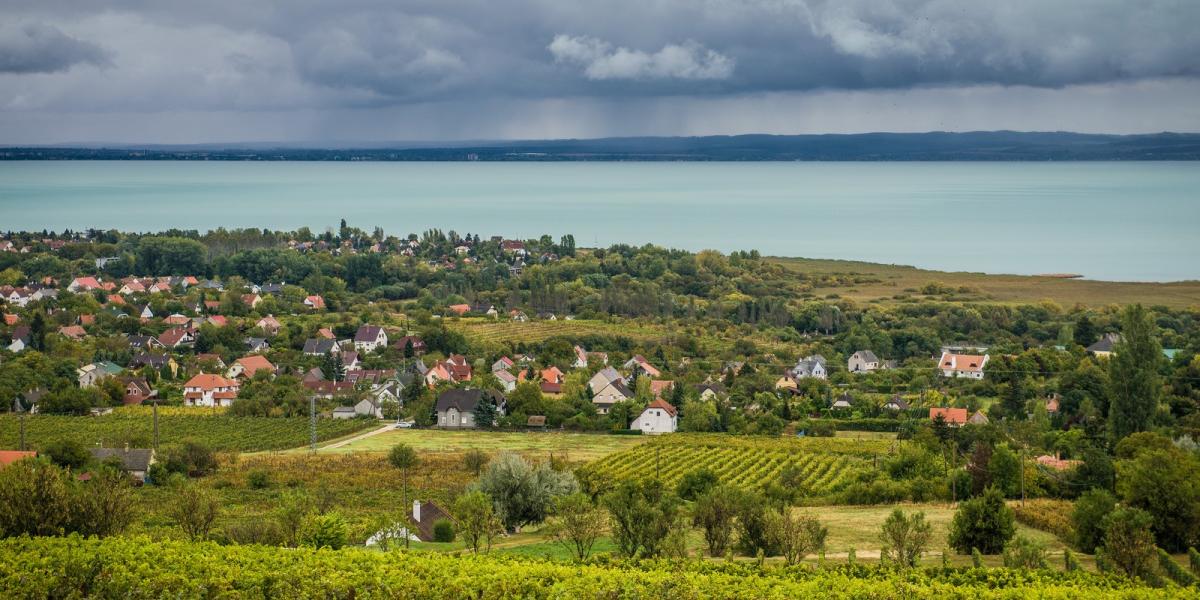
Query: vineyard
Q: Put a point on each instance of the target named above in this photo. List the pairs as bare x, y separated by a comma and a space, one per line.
821, 466
242, 434
501, 331
139, 567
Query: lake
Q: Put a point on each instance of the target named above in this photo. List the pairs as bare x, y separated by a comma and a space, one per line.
1134, 221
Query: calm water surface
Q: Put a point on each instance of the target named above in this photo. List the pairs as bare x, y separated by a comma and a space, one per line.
1121, 221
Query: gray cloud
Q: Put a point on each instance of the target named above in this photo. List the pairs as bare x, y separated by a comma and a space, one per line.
41, 48
323, 61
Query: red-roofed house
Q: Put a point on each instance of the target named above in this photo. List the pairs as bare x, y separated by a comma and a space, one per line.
207, 389
247, 366
459, 309
659, 417
177, 337
11, 319
642, 364
74, 332
315, 302
326, 333
8, 457
954, 417
658, 388
269, 324
83, 284
962, 365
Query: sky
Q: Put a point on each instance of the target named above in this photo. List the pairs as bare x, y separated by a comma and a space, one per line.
178, 72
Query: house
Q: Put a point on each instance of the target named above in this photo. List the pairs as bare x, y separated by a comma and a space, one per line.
438, 372
326, 333
1103, 348
459, 368
953, 417
134, 461
257, 344
810, 366
314, 302
344, 412
483, 308
11, 319
247, 366
207, 389
610, 394
710, 391
143, 342
551, 374
424, 516
518, 316
843, 402
214, 320
137, 391
962, 365
581, 358
978, 418
22, 337
153, 361
660, 387
319, 347
176, 319
74, 332
503, 363
146, 314
83, 284
350, 360
658, 417
418, 345
603, 378
456, 408
600, 357
1056, 463
507, 380
370, 337
536, 422
458, 309
177, 337
1052, 403
251, 300
862, 361
642, 365
274, 289
90, 375
8, 457
896, 403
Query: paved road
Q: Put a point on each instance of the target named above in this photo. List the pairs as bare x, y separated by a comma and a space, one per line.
363, 436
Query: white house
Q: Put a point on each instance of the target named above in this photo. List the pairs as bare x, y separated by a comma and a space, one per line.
370, 337
659, 417
962, 365
207, 389
810, 366
581, 358
862, 361
610, 394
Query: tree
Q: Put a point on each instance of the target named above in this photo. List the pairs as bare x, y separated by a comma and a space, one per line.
477, 520
194, 510
1024, 553
190, 458
796, 535
1087, 518
576, 524
523, 493
695, 483
323, 531
714, 513
1135, 386
290, 510
643, 515
1165, 484
475, 460
904, 537
485, 411
1129, 543
1005, 470
752, 523
985, 523
1085, 331
67, 452
404, 458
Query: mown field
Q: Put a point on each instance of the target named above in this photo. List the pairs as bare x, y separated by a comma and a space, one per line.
504, 331
825, 464
574, 447
221, 433
139, 567
895, 279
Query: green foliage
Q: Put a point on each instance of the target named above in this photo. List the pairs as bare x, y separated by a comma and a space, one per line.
577, 524
714, 513
477, 520
195, 510
190, 458
985, 523
523, 493
1173, 571
1135, 386
443, 531
323, 531
1070, 562
642, 516
475, 460
1194, 561
1128, 543
1088, 518
258, 479
904, 538
39, 498
1005, 469
1024, 553
795, 535
695, 483
1166, 484
67, 453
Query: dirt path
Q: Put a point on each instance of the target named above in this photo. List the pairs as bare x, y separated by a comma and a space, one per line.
361, 436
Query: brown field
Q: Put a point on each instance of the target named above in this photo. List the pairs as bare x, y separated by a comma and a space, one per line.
895, 279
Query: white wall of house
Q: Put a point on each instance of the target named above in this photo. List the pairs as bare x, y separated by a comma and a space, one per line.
655, 420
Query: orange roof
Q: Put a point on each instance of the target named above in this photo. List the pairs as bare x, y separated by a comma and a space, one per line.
325, 333
952, 416
315, 301
963, 362
8, 457
209, 381
11, 319
253, 363
660, 387
87, 282
660, 403
459, 309
115, 299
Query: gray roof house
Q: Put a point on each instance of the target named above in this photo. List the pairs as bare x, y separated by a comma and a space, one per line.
319, 346
134, 461
862, 361
810, 366
456, 408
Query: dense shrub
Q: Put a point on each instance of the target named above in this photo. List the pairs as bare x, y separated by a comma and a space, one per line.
1087, 518
443, 531
985, 523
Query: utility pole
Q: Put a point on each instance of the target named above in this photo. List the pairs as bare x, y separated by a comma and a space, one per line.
155, 409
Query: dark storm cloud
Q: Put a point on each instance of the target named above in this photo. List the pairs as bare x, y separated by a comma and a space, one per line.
515, 56
42, 48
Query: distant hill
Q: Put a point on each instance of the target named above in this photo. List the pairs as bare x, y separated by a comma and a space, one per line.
933, 146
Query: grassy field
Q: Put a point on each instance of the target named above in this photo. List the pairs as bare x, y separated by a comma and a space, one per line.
895, 279
567, 446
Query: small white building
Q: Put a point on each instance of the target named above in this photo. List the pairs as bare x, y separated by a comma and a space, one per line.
207, 389
659, 417
962, 365
863, 361
370, 337
810, 366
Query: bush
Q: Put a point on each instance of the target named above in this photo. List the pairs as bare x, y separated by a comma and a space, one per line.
191, 458
256, 531
1024, 553
443, 531
1088, 518
1171, 569
67, 453
1129, 544
904, 538
323, 531
985, 523
1070, 563
1049, 515
39, 498
258, 479
696, 483
1194, 561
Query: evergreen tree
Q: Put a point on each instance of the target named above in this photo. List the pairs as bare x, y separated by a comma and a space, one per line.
1134, 385
485, 411
1085, 331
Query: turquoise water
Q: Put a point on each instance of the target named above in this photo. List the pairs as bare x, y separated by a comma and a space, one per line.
1110, 220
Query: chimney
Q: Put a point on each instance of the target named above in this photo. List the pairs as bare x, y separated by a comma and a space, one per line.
417, 510
127, 447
